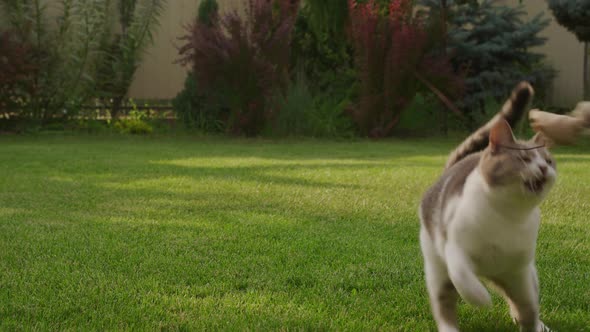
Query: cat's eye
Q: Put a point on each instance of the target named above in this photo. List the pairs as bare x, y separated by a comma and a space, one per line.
526, 159
549, 161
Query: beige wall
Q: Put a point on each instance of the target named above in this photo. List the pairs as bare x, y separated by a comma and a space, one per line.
159, 77
565, 53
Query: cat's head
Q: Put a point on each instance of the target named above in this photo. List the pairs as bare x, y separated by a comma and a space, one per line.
520, 167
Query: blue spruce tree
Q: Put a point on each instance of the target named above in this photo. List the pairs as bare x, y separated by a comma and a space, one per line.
492, 45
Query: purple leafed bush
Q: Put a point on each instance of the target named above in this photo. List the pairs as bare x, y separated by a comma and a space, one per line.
239, 61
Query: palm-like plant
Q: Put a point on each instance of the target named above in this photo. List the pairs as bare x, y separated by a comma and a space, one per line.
65, 55
124, 51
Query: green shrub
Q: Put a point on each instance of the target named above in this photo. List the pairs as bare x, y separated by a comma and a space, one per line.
292, 110
323, 58
92, 126
300, 113
321, 52
329, 117
423, 117
135, 122
194, 112
133, 126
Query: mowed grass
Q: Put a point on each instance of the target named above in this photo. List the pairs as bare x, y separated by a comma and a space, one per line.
110, 233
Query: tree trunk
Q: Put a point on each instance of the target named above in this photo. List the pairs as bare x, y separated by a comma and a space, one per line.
587, 71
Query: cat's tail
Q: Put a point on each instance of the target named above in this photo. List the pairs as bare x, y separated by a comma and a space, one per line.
512, 111
582, 111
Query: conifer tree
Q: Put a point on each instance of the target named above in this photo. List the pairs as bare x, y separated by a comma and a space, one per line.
492, 45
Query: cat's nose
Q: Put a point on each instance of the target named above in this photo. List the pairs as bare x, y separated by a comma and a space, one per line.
543, 169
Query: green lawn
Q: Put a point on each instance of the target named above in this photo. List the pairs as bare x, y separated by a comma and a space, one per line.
191, 233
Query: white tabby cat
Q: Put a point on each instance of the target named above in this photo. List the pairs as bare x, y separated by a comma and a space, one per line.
481, 219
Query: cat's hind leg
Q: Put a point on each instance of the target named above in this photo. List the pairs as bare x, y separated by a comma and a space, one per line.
442, 293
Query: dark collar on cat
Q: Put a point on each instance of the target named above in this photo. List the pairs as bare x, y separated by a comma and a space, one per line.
516, 147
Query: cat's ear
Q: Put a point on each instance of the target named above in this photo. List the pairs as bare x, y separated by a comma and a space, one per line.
501, 135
